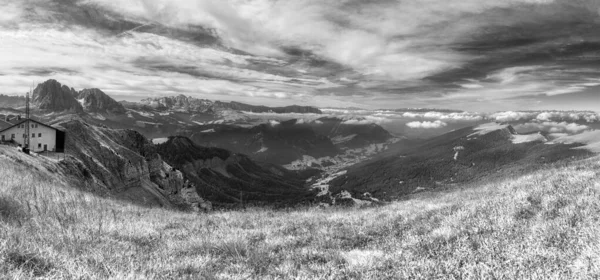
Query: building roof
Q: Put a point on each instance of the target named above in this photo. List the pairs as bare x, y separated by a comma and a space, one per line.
25, 120
4, 124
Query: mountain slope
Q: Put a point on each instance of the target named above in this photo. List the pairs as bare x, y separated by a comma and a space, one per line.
227, 178
350, 134
464, 155
541, 225
122, 164
95, 100
275, 142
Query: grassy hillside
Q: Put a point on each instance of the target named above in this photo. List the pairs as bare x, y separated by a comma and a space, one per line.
538, 226
436, 164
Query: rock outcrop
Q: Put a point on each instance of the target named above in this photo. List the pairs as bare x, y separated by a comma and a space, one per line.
53, 96
124, 164
191, 104
95, 100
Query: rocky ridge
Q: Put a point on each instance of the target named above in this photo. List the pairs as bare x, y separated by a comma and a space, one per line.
124, 164
95, 100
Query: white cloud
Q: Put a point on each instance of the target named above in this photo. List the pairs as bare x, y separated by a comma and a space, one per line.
402, 40
367, 120
510, 116
554, 127
568, 116
427, 124
378, 44
130, 65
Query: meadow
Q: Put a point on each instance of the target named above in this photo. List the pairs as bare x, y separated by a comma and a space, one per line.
542, 225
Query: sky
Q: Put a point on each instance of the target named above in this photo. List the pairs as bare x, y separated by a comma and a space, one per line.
473, 55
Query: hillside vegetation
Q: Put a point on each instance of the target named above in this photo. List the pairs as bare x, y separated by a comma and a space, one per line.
542, 225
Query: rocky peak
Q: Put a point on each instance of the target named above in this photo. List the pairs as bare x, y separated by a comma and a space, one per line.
95, 100
53, 96
179, 102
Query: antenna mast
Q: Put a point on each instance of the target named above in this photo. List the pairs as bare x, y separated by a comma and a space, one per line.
27, 131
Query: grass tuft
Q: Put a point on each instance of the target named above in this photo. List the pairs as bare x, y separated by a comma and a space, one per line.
11, 211
29, 263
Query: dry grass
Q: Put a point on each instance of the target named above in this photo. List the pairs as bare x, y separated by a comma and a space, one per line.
539, 226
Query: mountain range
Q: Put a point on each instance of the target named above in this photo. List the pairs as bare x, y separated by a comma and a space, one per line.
209, 123
191, 153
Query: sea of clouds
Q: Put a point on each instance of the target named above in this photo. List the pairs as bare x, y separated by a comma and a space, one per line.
428, 123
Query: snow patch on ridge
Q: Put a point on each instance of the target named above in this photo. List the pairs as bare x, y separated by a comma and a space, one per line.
518, 139
262, 150
487, 128
157, 141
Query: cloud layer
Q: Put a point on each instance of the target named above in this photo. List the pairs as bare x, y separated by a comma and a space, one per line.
511, 54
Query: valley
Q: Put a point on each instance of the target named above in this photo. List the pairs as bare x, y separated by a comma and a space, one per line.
52, 230
276, 140
188, 153
235, 191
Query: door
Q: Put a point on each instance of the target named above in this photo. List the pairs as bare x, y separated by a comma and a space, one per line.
45, 148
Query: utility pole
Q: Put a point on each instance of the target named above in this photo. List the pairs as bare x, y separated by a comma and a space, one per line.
27, 123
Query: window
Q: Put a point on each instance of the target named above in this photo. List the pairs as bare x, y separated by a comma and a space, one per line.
39, 135
2, 137
31, 125
12, 136
24, 135
36, 125
32, 135
39, 145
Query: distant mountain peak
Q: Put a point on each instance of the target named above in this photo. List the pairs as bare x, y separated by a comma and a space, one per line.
192, 104
95, 100
53, 96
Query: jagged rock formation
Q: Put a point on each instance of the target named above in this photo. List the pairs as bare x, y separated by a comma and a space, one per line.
191, 104
53, 96
124, 164
179, 103
229, 179
95, 100
11, 101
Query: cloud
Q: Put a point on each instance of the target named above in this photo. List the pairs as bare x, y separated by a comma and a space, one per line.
375, 53
568, 116
427, 124
130, 65
554, 127
511, 116
367, 120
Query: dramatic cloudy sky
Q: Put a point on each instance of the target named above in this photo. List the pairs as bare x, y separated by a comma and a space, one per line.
476, 55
